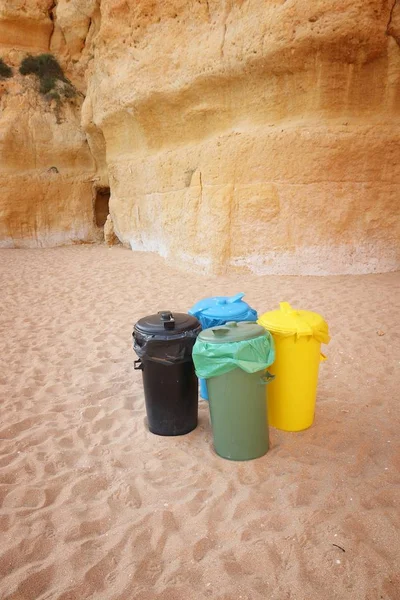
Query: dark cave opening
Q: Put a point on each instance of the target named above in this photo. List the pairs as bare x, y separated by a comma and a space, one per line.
101, 205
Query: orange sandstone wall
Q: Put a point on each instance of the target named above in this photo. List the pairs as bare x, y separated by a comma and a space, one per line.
241, 133
46, 167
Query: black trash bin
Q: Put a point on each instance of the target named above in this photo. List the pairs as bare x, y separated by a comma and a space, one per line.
164, 344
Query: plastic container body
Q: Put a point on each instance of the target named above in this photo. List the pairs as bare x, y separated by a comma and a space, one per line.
292, 395
238, 414
171, 397
298, 335
203, 389
164, 344
234, 358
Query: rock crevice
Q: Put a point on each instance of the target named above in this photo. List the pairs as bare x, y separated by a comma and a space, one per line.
393, 26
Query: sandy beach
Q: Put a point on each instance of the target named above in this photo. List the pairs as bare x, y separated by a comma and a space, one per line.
95, 506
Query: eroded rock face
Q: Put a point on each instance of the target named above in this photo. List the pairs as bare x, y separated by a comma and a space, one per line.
255, 134
109, 234
46, 167
25, 24
243, 133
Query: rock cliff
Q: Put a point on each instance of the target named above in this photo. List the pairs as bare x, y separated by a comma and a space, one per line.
239, 133
46, 167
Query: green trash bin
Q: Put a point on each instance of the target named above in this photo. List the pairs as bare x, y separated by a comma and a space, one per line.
234, 358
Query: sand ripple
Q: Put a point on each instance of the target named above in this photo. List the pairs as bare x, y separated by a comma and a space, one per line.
94, 506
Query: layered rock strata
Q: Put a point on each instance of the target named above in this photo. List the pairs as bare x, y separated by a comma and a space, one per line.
47, 171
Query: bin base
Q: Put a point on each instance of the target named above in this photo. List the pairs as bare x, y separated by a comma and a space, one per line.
241, 459
169, 431
294, 429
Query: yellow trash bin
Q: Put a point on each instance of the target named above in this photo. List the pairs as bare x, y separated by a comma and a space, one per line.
298, 335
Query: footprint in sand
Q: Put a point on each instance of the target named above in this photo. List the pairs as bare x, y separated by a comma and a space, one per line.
36, 584
25, 498
202, 547
91, 412
127, 495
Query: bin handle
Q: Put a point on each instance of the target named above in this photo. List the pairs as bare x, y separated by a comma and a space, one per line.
235, 298
167, 319
267, 378
286, 308
221, 331
322, 357
138, 365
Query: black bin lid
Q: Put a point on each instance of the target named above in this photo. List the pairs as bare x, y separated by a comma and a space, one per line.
166, 324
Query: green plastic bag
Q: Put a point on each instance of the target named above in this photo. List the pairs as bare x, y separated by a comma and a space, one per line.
251, 355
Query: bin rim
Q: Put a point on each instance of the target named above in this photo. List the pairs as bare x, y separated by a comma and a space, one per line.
223, 308
288, 321
232, 332
166, 325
